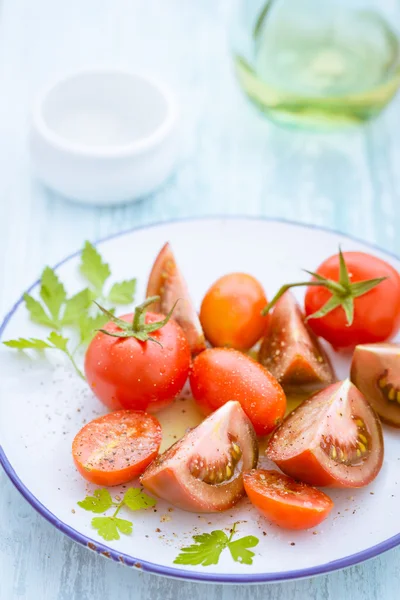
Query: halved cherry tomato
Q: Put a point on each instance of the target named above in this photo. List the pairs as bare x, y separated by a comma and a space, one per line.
286, 502
135, 374
375, 370
222, 374
376, 313
333, 439
290, 350
231, 312
202, 472
167, 281
117, 447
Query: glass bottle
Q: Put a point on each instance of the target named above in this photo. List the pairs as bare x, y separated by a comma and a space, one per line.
317, 62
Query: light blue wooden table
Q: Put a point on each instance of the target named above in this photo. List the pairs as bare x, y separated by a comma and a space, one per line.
232, 162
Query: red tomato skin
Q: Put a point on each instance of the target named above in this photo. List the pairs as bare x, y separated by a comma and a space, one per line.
305, 467
274, 509
89, 435
376, 313
222, 374
127, 373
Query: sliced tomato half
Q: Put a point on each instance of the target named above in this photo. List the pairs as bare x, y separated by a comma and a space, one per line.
286, 502
202, 472
167, 281
375, 370
117, 447
290, 350
333, 439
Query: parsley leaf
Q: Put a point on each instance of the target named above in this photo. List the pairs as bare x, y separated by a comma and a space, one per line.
93, 268
26, 344
107, 527
52, 292
37, 312
88, 325
239, 549
135, 499
206, 551
98, 503
123, 292
208, 548
76, 306
58, 341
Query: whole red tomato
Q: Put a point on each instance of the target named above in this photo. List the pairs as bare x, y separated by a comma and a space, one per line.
376, 313
139, 374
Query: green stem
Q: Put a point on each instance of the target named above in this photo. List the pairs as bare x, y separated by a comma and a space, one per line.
120, 505
140, 313
287, 287
233, 531
77, 369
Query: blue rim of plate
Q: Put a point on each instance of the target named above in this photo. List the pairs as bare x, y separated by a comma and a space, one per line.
107, 551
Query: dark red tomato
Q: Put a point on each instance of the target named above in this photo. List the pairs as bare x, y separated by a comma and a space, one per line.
375, 370
167, 281
221, 374
376, 313
115, 448
290, 350
333, 439
202, 472
286, 502
231, 312
128, 373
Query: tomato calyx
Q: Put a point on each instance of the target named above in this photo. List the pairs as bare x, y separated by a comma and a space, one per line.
343, 291
138, 329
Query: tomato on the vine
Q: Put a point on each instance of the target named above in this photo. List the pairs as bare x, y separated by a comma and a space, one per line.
139, 361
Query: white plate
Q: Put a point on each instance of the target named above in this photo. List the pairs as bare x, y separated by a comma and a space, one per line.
43, 406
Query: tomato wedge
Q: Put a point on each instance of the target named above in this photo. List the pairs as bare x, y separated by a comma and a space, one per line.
286, 502
290, 350
117, 447
333, 439
167, 281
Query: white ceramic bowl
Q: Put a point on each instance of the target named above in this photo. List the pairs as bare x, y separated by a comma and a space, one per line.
104, 136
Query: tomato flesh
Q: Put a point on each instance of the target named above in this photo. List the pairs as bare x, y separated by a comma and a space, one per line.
221, 374
290, 350
128, 373
231, 312
286, 502
167, 281
376, 313
202, 472
375, 370
117, 447
332, 439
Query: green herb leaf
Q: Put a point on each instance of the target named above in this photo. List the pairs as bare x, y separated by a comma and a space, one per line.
135, 499
27, 344
239, 549
88, 326
123, 292
107, 527
98, 503
206, 550
52, 292
93, 268
58, 341
36, 311
76, 306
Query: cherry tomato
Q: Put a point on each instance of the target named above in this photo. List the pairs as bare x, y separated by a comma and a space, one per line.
291, 352
167, 281
115, 448
376, 313
202, 472
221, 374
334, 438
375, 370
129, 373
231, 312
286, 502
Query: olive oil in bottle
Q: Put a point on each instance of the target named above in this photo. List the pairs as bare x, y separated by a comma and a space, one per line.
321, 67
